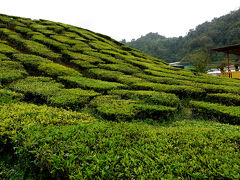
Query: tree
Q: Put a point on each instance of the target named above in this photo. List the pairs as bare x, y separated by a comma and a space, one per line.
200, 60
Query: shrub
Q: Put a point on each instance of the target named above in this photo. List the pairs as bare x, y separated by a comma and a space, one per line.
152, 97
3, 57
82, 64
7, 96
68, 40
104, 74
10, 71
5, 49
87, 83
100, 45
42, 29
36, 87
72, 98
225, 114
50, 42
73, 55
22, 30
17, 116
180, 90
224, 98
125, 68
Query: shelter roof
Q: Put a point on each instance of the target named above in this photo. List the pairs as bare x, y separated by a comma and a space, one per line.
233, 49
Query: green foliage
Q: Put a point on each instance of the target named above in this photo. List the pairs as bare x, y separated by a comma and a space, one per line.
201, 60
7, 96
49, 42
125, 68
226, 114
72, 98
82, 64
17, 116
74, 55
36, 86
87, 83
224, 98
5, 49
10, 71
3, 57
180, 90
151, 97
43, 66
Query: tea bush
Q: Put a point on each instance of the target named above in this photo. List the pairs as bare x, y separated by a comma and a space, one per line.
50, 42
87, 83
225, 114
7, 96
3, 57
180, 90
17, 116
72, 98
5, 49
224, 98
36, 87
152, 97
10, 71
125, 68
81, 64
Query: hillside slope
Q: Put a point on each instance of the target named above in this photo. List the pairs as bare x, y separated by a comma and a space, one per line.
77, 104
219, 32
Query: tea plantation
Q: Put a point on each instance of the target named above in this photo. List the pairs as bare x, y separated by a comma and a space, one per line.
75, 104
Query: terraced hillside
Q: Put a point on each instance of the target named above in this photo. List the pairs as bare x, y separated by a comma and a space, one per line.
77, 104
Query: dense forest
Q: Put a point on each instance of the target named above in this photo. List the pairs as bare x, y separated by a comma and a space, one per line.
221, 31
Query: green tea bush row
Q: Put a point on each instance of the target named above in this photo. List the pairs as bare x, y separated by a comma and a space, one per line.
42, 29
67, 40
10, 71
43, 66
72, 98
36, 87
87, 83
224, 98
100, 45
17, 116
5, 49
225, 114
152, 97
7, 96
180, 90
74, 55
109, 107
81, 64
83, 33
3, 57
123, 67
72, 35
117, 76
50, 42
22, 30
33, 47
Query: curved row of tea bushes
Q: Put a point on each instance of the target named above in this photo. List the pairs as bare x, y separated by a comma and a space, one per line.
113, 108
109, 150
43, 66
222, 113
152, 97
224, 98
88, 83
180, 90
10, 71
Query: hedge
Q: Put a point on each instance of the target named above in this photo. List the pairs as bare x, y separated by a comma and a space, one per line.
81, 64
152, 97
10, 71
36, 88
50, 42
72, 98
180, 90
123, 67
224, 98
88, 83
5, 49
73, 55
43, 66
7, 96
3, 57
222, 113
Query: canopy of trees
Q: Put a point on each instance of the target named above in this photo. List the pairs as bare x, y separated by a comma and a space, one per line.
219, 32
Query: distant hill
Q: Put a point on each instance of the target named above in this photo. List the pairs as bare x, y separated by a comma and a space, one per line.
75, 104
221, 31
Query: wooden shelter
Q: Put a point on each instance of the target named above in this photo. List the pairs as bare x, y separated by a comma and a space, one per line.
233, 49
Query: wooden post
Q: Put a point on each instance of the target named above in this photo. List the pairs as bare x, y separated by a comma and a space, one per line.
228, 61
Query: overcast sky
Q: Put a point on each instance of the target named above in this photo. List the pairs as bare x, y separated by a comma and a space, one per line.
124, 19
